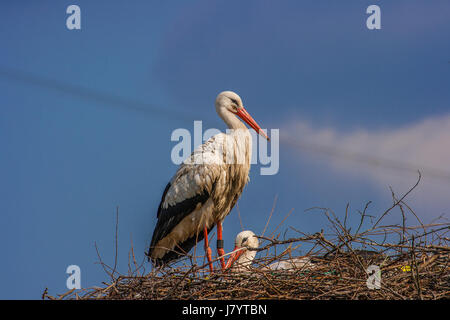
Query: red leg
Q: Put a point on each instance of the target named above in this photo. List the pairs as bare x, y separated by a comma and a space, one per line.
220, 251
208, 250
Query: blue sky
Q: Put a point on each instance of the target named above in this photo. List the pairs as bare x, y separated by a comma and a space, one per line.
86, 117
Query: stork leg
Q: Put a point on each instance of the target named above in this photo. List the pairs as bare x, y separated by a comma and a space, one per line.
220, 250
208, 249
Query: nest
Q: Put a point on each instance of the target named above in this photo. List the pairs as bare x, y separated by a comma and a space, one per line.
379, 262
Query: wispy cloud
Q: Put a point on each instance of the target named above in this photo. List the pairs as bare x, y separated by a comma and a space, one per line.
388, 156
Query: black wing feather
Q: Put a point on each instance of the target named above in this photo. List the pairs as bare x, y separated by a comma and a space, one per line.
168, 218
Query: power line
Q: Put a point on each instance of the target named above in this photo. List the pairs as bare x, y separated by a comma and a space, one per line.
149, 109
366, 159
89, 94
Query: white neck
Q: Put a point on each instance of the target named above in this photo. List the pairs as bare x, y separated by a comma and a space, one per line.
231, 120
246, 258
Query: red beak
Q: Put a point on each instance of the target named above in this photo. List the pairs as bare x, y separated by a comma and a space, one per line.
244, 115
236, 253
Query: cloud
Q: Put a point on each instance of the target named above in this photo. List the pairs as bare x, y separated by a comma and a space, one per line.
386, 156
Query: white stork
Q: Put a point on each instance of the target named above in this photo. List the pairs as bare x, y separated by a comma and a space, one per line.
205, 187
241, 258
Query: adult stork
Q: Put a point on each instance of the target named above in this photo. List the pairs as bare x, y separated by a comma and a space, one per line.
205, 187
241, 257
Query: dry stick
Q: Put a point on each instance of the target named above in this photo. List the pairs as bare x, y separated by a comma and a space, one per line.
346, 214
412, 211
333, 223
134, 258
130, 272
195, 249
393, 292
427, 233
395, 228
397, 202
282, 221
415, 271
325, 212
66, 294
427, 248
271, 213
394, 199
363, 215
278, 257
116, 246
278, 242
239, 216
442, 216
178, 283
116, 249
415, 215
104, 265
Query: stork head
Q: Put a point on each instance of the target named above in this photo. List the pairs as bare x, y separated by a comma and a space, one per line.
229, 105
241, 255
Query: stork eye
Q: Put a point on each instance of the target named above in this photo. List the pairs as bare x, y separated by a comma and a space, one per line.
244, 239
234, 101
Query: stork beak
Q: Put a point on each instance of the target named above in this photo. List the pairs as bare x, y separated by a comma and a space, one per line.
236, 253
244, 115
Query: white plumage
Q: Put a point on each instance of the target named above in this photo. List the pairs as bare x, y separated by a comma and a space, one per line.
205, 187
242, 258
